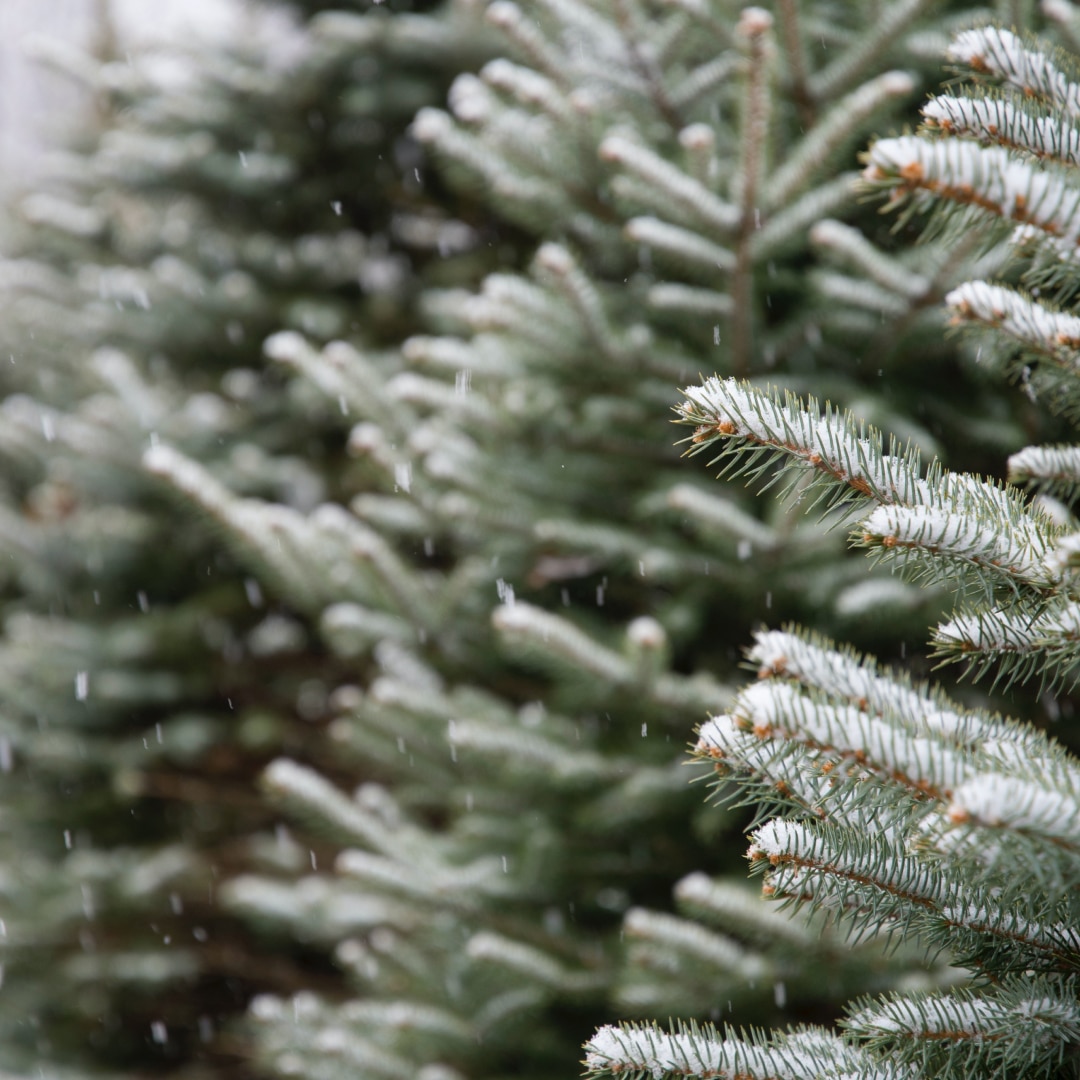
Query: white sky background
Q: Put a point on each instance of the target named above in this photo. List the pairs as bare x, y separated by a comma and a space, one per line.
36, 105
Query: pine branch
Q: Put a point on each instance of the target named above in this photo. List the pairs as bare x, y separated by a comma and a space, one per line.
639, 1052
1001, 122
841, 738
985, 179
846, 459
937, 527
1049, 339
1015, 645
1003, 55
873, 889
1026, 1026
847, 676
1053, 470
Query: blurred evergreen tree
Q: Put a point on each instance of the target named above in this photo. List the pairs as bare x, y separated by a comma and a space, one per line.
357, 609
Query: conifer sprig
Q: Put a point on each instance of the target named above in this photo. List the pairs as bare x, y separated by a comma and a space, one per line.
987, 180
1051, 470
1023, 1027
1049, 341
1031, 67
825, 735
1015, 645
939, 526
999, 120
642, 1052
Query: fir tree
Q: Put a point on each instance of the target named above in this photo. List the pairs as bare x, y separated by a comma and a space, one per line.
883, 803
356, 604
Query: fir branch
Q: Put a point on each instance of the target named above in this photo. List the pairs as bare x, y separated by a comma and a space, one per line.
558, 264
1028, 807
706, 304
670, 937
1045, 335
872, 886
1008, 550
684, 246
1002, 55
346, 376
1023, 1027
529, 87
795, 54
847, 457
701, 82
945, 521
433, 883
715, 516
1015, 644
845, 675
774, 776
987, 179
987, 787
845, 737
353, 1035
1053, 470
534, 758
789, 225
525, 196
645, 64
698, 142
309, 796
858, 292
529, 964
510, 302
554, 640
529, 39
268, 536
644, 1052
737, 910
352, 629
1065, 15
557, 644
404, 590
999, 121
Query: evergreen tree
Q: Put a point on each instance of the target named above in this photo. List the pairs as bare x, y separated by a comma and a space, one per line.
882, 802
356, 604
